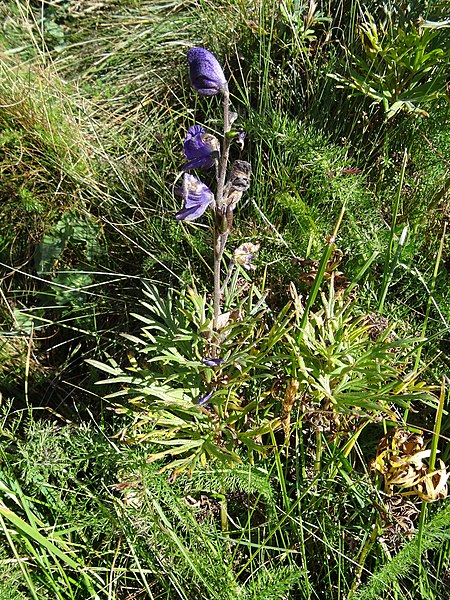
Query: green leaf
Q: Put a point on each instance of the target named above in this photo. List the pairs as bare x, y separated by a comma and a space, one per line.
35, 535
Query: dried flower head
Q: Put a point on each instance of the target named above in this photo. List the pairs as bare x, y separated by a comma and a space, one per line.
240, 139
238, 182
206, 74
200, 148
239, 177
197, 197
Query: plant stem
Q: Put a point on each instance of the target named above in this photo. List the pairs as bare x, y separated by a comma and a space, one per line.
219, 247
220, 236
223, 161
432, 462
318, 458
362, 559
389, 265
321, 271
223, 512
437, 263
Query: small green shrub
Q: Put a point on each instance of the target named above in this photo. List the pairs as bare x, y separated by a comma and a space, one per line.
200, 409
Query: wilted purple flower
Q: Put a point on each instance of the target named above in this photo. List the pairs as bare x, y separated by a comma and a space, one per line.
207, 77
204, 399
212, 362
244, 255
197, 197
200, 148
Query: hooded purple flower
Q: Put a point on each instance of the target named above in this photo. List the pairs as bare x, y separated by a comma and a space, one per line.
197, 197
207, 77
200, 148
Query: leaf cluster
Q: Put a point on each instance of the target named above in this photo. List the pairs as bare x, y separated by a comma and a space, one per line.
403, 64
197, 412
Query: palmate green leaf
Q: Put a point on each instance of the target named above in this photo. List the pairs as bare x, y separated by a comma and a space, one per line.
188, 463
177, 448
167, 394
224, 456
195, 451
404, 105
247, 439
424, 92
359, 84
173, 356
150, 321
143, 388
336, 361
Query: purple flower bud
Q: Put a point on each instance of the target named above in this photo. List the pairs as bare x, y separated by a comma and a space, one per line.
197, 197
200, 148
212, 362
207, 77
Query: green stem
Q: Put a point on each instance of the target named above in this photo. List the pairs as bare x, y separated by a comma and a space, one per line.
362, 559
424, 508
224, 513
389, 266
318, 458
437, 426
430, 295
429, 302
321, 271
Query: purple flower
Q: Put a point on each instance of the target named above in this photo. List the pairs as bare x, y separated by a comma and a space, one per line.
212, 362
207, 77
204, 399
200, 148
197, 197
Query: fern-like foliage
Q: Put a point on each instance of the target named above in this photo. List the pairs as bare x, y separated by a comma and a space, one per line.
273, 584
436, 532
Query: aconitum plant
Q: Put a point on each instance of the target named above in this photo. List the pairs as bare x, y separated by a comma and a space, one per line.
204, 151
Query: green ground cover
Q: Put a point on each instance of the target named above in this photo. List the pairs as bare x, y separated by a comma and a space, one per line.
318, 466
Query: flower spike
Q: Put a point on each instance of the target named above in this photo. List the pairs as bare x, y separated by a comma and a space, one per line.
207, 76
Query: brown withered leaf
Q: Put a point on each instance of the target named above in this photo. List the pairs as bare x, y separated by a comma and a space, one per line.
310, 268
287, 404
228, 317
401, 460
377, 326
433, 486
397, 519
